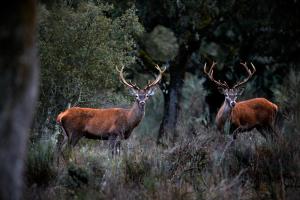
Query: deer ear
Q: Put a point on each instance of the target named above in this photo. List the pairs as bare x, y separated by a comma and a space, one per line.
133, 91
241, 90
151, 91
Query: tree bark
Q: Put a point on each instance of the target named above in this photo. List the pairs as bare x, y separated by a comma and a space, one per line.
18, 86
172, 95
172, 98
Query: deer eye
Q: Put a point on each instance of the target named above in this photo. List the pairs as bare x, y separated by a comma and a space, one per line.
147, 95
136, 95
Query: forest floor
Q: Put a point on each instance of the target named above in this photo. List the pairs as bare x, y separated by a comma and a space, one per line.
204, 166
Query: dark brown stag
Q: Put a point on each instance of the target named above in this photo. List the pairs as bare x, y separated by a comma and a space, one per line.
245, 115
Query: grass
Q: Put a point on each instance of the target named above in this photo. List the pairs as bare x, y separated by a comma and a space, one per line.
194, 168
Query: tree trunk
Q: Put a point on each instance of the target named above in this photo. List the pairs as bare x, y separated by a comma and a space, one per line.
18, 86
173, 94
172, 98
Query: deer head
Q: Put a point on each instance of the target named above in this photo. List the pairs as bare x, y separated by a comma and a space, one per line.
230, 94
142, 95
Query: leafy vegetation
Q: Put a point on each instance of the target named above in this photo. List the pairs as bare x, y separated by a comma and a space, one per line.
80, 49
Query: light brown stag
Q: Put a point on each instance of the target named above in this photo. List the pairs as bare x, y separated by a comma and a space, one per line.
245, 115
113, 124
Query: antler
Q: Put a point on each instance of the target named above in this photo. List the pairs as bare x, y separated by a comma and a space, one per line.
149, 85
250, 74
210, 74
130, 85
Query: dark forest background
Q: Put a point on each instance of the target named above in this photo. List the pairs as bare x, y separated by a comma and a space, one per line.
82, 42
176, 152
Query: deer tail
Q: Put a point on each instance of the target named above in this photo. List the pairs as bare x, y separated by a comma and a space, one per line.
59, 117
280, 118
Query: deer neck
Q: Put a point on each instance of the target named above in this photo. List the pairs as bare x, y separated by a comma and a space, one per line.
226, 109
136, 114
224, 113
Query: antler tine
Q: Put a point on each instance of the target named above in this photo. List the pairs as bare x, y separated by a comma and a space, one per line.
130, 85
250, 74
134, 85
158, 78
210, 74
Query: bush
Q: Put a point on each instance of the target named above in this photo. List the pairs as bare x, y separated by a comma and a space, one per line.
79, 50
76, 176
40, 168
194, 110
135, 169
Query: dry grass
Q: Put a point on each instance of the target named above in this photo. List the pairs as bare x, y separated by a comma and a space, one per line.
207, 166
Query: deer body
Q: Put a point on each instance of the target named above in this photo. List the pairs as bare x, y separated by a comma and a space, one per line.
100, 123
253, 113
112, 124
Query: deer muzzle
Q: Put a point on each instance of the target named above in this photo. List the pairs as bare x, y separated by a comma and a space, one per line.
232, 103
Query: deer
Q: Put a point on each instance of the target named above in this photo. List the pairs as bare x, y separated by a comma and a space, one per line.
112, 124
245, 115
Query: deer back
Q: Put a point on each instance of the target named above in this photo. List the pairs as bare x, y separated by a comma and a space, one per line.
94, 121
252, 112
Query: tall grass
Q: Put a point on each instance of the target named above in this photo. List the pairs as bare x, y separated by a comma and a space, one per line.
40, 168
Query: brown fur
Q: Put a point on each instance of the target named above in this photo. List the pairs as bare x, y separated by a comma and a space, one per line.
100, 124
253, 113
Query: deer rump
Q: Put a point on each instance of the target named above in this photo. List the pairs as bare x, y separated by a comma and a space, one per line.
253, 113
95, 123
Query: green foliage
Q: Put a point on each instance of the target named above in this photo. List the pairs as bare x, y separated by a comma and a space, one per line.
194, 111
161, 44
40, 168
136, 170
79, 50
288, 96
77, 176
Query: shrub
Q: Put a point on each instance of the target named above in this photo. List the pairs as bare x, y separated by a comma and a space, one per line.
194, 111
79, 50
77, 176
40, 168
135, 169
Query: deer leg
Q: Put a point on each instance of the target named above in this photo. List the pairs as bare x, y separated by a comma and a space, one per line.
112, 144
232, 128
262, 131
118, 147
74, 139
268, 130
61, 146
236, 131
273, 131
118, 143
